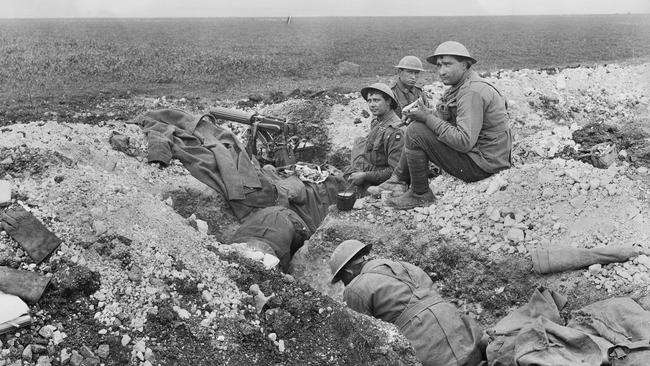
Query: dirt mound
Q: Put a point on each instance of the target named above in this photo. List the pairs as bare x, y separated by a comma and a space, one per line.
168, 294
148, 287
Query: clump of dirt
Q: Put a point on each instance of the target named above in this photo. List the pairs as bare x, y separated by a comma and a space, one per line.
631, 139
551, 108
25, 161
208, 206
72, 281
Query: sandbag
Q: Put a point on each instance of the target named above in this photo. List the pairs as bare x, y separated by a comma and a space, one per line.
558, 259
27, 285
30, 233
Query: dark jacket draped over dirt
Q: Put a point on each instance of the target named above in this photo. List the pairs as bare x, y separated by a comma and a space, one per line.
214, 156
209, 152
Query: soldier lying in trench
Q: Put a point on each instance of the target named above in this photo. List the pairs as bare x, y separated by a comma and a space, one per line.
403, 294
274, 230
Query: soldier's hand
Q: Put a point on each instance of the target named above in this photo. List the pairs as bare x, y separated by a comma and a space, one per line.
357, 178
419, 111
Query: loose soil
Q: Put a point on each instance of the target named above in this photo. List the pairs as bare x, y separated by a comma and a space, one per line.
135, 274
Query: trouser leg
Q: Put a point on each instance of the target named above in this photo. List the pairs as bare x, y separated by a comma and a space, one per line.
418, 164
460, 165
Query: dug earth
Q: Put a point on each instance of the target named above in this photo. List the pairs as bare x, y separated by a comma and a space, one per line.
139, 279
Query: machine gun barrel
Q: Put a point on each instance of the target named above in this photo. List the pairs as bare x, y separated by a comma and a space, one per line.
233, 115
249, 118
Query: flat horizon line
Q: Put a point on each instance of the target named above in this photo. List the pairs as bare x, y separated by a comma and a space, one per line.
320, 16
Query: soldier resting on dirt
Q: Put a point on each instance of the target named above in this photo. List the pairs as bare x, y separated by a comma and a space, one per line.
467, 135
403, 294
377, 155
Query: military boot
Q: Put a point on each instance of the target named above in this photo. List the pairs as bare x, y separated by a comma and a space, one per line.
409, 200
393, 184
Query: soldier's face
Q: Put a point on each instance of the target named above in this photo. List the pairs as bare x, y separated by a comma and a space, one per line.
377, 104
450, 69
408, 77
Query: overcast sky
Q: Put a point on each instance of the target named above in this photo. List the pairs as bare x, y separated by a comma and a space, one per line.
261, 8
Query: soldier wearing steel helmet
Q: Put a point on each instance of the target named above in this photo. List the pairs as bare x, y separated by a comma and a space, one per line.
467, 134
403, 294
405, 87
375, 156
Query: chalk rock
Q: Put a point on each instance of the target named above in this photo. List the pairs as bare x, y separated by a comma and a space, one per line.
270, 261
103, 351
47, 331
202, 226
515, 234
494, 214
644, 259
640, 170
182, 313
595, 268
125, 340
99, 227
496, 184
76, 359
65, 356
27, 353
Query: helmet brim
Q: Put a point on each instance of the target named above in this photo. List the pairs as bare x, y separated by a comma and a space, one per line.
408, 68
433, 58
335, 277
365, 91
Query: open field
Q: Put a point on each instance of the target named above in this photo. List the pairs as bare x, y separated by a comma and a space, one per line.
227, 58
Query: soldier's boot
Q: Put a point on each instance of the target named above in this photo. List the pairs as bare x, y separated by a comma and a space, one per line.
393, 184
420, 194
409, 200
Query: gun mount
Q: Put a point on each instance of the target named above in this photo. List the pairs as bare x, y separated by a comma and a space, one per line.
270, 140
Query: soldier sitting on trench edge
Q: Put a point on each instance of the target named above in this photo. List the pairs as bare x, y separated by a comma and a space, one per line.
403, 294
467, 135
375, 156
405, 88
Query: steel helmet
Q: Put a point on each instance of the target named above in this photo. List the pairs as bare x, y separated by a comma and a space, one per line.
382, 88
411, 63
451, 48
342, 255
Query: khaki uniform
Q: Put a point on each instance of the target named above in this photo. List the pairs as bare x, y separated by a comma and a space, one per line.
472, 119
379, 152
279, 227
404, 95
402, 294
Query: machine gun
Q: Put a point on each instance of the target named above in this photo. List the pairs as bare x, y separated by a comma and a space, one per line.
270, 140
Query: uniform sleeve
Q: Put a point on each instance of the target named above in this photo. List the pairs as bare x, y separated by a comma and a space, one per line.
356, 301
469, 121
393, 150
